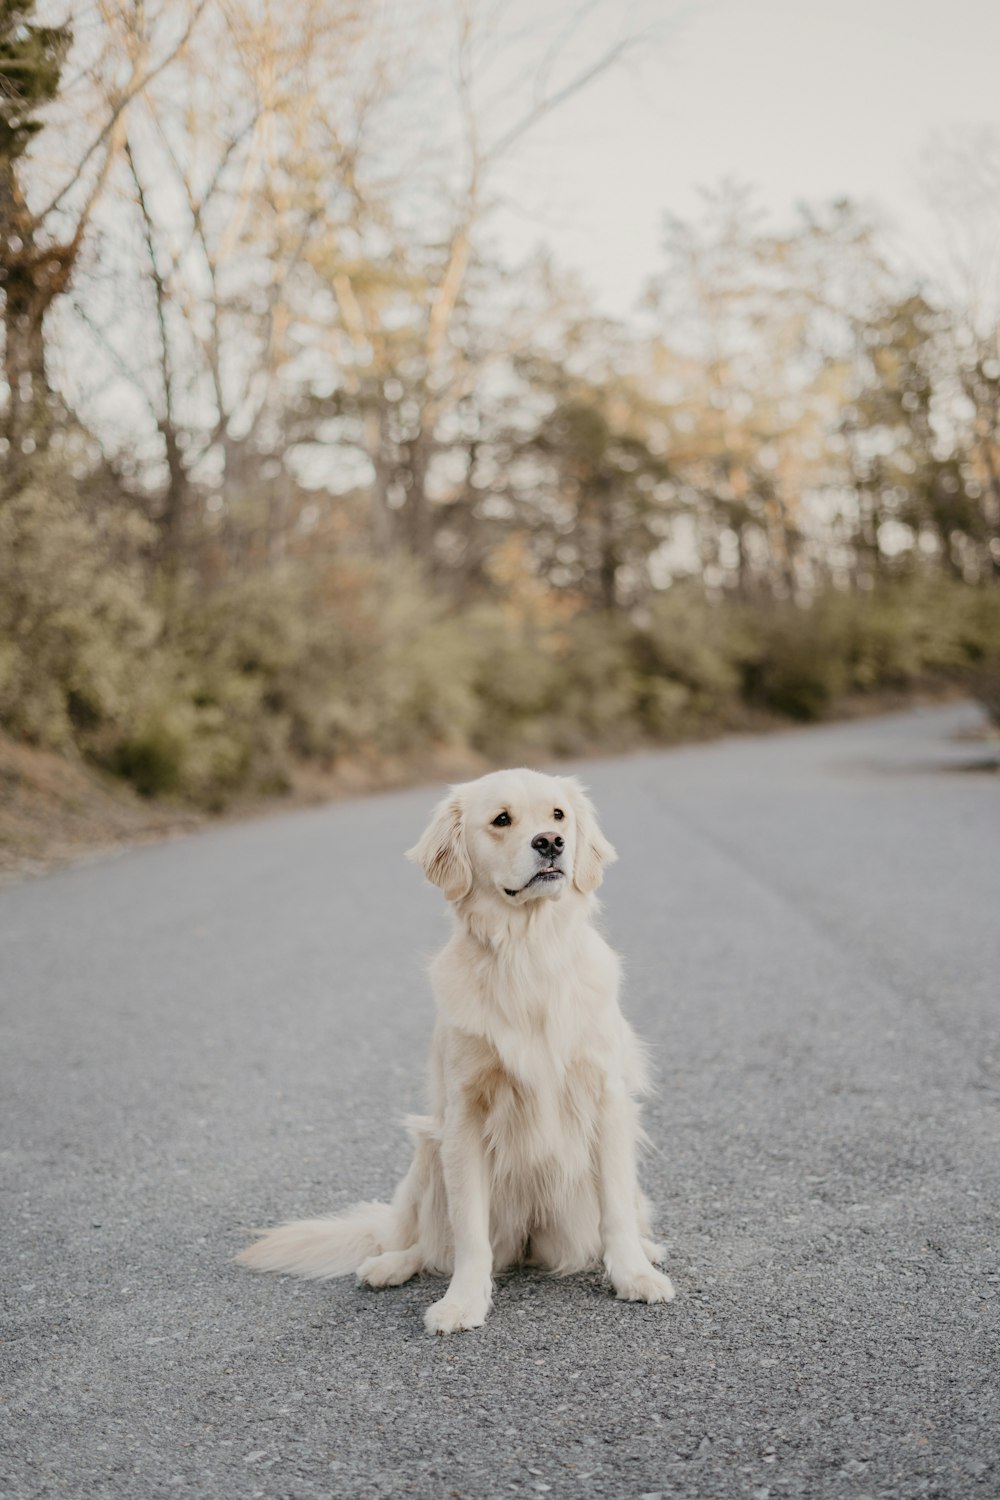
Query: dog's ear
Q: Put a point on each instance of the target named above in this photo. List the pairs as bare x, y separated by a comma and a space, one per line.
593, 851
440, 851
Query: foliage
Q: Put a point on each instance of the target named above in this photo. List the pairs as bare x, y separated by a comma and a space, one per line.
31, 61
314, 475
76, 624
204, 694
979, 648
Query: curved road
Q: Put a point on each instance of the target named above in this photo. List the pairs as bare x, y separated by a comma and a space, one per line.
220, 1031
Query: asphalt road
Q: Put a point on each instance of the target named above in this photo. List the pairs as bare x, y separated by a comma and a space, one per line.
220, 1031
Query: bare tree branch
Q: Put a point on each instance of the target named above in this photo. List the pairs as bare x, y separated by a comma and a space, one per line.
579, 81
136, 86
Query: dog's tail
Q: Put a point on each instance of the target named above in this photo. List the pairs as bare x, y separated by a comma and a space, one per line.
323, 1248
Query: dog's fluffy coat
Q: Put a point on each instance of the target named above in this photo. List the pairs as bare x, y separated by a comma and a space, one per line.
529, 1152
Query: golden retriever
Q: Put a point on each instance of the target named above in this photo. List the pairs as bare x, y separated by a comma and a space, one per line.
529, 1152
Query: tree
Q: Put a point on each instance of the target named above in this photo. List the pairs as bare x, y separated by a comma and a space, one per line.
592, 487
907, 481
41, 235
210, 224
420, 319
763, 352
31, 273
963, 189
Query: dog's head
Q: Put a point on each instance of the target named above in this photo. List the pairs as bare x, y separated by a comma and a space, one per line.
518, 836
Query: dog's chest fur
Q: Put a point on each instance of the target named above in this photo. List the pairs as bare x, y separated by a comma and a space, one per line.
529, 1042
545, 1123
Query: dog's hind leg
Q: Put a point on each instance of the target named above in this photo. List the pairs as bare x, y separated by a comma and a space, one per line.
415, 1187
392, 1267
403, 1255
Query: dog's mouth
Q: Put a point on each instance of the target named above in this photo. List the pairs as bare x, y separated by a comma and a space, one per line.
544, 876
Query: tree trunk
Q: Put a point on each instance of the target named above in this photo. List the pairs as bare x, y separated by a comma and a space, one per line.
175, 502
418, 520
30, 279
26, 418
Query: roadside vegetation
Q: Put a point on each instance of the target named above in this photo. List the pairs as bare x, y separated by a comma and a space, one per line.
296, 471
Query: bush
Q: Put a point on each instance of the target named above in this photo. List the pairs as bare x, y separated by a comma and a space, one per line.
516, 683
77, 627
690, 655
979, 638
795, 663
217, 691
594, 700
419, 687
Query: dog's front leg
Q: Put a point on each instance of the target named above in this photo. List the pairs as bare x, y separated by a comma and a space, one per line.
466, 1180
632, 1275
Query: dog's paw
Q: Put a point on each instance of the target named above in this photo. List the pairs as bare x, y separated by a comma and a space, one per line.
655, 1253
453, 1314
643, 1286
391, 1268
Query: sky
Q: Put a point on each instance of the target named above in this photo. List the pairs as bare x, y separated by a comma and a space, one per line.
805, 99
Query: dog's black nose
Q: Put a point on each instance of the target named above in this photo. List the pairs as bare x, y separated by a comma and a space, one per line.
549, 844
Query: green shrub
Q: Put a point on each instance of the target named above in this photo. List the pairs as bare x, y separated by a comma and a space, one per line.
152, 759
516, 682
594, 702
689, 654
420, 687
979, 638
216, 691
796, 665
899, 635
77, 627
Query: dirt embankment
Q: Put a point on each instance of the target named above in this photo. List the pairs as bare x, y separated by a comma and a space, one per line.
56, 810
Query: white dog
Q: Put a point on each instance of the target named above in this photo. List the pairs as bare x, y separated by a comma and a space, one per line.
529, 1153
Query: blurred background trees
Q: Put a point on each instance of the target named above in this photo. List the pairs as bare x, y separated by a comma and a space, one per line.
296, 465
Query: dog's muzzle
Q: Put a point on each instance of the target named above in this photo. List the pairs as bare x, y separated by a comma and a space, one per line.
550, 847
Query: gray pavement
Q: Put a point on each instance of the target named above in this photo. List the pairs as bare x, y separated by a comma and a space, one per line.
220, 1031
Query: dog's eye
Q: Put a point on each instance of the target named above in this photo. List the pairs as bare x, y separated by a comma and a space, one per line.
559, 814
502, 820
